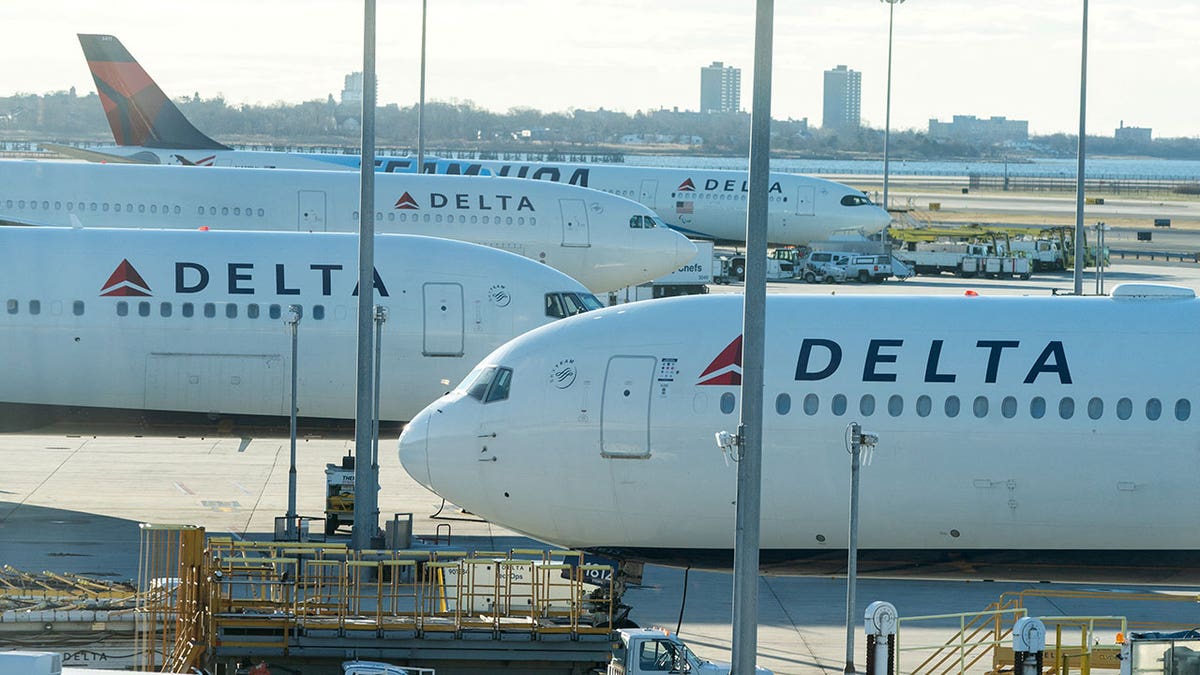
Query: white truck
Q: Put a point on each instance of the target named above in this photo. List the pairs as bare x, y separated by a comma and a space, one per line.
656, 651
863, 267
377, 668
963, 260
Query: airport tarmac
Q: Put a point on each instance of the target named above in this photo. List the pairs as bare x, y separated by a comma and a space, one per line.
73, 504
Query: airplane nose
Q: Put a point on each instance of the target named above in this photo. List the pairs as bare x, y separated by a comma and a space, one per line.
685, 250
414, 453
882, 218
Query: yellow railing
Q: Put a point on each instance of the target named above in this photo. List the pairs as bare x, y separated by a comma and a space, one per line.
978, 635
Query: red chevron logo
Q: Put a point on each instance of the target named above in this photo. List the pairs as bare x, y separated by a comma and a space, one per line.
686, 186
407, 202
726, 369
125, 282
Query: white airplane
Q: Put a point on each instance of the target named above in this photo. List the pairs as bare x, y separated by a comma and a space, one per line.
1027, 438
172, 331
709, 204
605, 242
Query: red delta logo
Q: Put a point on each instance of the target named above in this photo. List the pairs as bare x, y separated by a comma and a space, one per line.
125, 282
406, 201
686, 186
726, 369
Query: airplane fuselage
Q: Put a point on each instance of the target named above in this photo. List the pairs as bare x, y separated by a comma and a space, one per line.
1018, 437
196, 322
584, 233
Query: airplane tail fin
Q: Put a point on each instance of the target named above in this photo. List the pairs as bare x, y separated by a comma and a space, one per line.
137, 110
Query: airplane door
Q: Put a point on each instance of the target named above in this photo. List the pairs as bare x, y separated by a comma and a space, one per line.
443, 320
312, 211
648, 193
804, 201
625, 407
575, 222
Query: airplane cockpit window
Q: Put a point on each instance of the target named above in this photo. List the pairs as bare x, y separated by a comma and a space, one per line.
562, 305
500, 385
635, 222
487, 384
554, 306
855, 200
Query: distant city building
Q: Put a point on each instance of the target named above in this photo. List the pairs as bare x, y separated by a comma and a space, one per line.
843, 99
975, 130
720, 88
1132, 134
352, 91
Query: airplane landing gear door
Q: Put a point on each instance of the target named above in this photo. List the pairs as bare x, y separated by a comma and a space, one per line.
804, 201
575, 223
312, 211
443, 320
625, 407
647, 195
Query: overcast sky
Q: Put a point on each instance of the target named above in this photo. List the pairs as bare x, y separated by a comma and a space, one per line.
1018, 58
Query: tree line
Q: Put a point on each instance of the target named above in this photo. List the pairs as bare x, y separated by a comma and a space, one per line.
463, 125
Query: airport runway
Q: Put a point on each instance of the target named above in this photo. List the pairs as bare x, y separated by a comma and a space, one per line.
74, 504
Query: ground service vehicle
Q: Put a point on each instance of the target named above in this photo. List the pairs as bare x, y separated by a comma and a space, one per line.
377, 668
862, 267
655, 650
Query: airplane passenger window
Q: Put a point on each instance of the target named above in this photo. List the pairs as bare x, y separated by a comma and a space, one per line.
122, 308
199, 210
895, 405
1066, 407
508, 220
391, 217
21, 204
1008, 407
92, 206
520, 219
230, 310
210, 310
13, 306
866, 405
1153, 409
141, 208
77, 308
980, 406
783, 404
188, 309
1095, 408
128, 207
224, 210
474, 218
237, 210
57, 206
274, 311
1124, 409
116, 208
500, 385
812, 403
1183, 409
318, 312
838, 405
924, 405
727, 403
212, 210
952, 406
70, 206
35, 307
438, 218
425, 217
176, 210
164, 310
251, 311
261, 213
1037, 407
143, 309
104, 207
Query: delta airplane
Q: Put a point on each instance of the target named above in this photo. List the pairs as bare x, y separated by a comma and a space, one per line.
604, 241
709, 204
1020, 438
158, 331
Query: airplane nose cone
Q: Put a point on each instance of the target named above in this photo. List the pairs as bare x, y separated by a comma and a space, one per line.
882, 218
685, 251
414, 454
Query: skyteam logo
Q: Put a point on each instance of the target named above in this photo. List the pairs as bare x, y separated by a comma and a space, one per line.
686, 186
406, 201
563, 373
726, 369
125, 282
499, 295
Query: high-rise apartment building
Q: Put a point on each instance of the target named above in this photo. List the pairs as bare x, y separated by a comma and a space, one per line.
720, 88
843, 98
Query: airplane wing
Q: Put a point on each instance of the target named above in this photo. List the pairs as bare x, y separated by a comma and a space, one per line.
92, 155
10, 221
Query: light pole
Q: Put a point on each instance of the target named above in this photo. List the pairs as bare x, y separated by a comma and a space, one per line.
887, 115
1080, 254
857, 441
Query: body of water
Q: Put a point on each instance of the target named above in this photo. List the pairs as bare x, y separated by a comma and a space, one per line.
1161, 169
